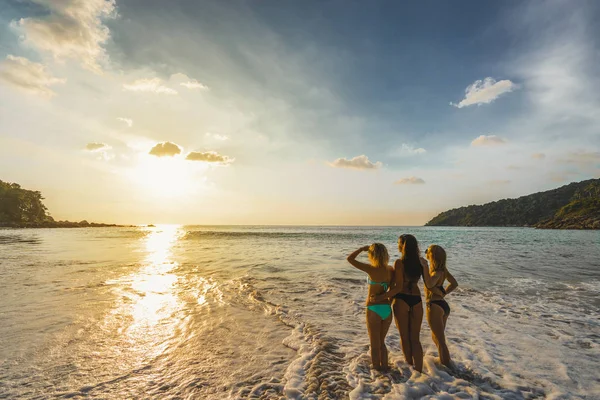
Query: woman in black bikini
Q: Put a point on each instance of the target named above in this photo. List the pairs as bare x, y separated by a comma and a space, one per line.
437, 308
407, 305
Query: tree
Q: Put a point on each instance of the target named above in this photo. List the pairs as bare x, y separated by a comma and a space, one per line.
20, 206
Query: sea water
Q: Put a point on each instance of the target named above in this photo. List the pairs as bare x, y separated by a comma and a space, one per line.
205, 312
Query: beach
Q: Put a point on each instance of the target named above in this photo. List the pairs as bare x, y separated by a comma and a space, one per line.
267, 312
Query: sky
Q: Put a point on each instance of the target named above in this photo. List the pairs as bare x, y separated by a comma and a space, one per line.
288, 112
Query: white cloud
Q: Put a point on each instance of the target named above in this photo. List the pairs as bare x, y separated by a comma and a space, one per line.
128, 121
217, 136
165, 149
95, 147
28, 75
358, 162
412, 150
560, 86
194, 84
72, 29
410, 181
209, 156
153, 85
488, 140
538, 156
558, 66
485, 91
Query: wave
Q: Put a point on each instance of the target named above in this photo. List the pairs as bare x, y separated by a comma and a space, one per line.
221, 234
327, 367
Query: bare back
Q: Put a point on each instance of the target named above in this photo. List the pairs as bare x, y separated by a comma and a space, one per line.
381, 275
439, 282
409, 285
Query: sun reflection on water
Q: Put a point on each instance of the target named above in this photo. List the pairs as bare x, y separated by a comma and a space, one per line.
150, 302
155, 282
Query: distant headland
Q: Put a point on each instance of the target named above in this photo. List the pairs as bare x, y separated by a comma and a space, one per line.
22, 208
573, 206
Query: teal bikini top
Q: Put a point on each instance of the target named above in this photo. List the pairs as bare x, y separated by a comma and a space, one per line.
384, 284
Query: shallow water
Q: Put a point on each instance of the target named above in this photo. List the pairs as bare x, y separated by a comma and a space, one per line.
272, 312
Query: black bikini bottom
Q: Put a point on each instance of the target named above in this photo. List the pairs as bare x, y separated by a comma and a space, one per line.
443, 304
410, 299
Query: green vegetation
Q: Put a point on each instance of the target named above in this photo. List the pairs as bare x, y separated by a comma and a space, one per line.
574, 206
21, 208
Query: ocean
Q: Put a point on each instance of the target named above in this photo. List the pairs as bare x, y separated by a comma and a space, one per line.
228, 312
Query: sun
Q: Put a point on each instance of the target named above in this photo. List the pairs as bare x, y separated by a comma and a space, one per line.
167, 177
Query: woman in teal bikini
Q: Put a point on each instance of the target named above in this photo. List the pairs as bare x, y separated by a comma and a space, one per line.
379, 314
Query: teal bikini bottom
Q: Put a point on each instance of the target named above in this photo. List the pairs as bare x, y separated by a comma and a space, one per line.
383, 310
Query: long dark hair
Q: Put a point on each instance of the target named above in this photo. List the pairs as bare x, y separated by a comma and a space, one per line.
410, 257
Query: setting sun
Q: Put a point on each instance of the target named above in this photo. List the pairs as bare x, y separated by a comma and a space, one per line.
391, 200
168, 177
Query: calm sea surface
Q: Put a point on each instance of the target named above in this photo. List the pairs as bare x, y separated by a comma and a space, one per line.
200, 312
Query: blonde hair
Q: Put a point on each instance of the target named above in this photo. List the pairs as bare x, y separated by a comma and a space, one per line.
378, 255
438, 257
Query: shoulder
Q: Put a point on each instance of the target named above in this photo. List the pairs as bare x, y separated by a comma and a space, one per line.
423, 261
398, 264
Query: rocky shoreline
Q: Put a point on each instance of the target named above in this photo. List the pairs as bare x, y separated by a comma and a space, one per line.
61, 224
573, 206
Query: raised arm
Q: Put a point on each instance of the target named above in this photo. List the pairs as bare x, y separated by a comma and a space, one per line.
453, 284
357, 264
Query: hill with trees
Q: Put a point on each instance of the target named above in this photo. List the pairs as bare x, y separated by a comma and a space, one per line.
22, 208
573, 206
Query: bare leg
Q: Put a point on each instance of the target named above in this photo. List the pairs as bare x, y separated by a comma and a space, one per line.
445, 320
432, 334
436, 319
416, 319
385, 326
374, 328
401, 314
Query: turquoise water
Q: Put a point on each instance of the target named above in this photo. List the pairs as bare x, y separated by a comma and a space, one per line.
275, 312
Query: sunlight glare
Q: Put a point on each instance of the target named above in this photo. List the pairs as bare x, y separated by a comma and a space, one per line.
167, 176
153, 300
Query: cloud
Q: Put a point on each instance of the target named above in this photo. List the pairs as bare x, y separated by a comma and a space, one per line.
410, 181
128, 121
358, 162
488, 140
153, 85
217, 136
194, 84
165, 149
485, 91
209, 156
28, 75
538, 156
411, 150
96, 146
72, 29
